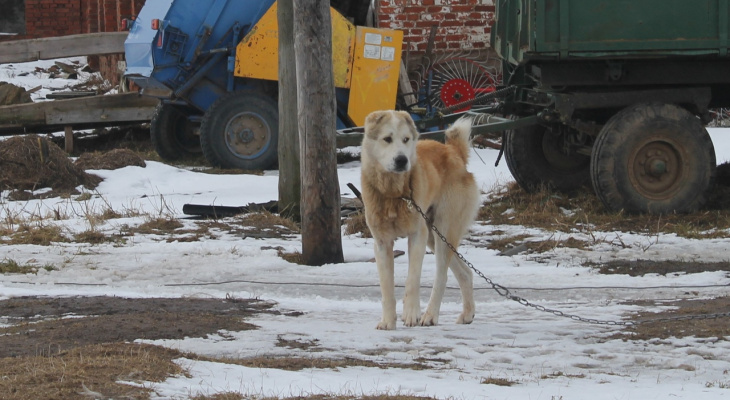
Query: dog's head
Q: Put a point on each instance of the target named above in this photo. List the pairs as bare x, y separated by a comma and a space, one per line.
390, 140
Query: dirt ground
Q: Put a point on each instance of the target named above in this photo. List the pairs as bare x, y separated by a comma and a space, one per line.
48, 326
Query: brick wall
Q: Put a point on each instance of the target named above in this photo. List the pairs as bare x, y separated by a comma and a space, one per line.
462, 24
47, 18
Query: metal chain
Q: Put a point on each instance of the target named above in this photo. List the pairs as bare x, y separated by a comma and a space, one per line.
506, 293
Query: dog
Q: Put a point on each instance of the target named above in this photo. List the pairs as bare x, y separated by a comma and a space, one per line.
433, 175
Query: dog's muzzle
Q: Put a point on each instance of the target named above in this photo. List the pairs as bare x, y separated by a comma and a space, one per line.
400, 163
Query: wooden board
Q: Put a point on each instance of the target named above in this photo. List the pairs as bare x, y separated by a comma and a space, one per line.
62, 46
51, 116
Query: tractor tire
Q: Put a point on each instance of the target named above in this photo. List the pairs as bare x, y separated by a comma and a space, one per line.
536, 161
241, 130
653, 158
173, 135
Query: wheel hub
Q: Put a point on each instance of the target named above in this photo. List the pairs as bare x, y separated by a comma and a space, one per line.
247, 135
656, 170
457, 91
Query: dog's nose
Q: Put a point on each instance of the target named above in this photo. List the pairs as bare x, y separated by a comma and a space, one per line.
401, 162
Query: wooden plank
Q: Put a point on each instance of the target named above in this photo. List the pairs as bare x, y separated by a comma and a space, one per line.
125, 114
404, 84
62, 46
97, 110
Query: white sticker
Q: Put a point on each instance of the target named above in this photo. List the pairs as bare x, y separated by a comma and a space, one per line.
373, 38
387, 53
372, 52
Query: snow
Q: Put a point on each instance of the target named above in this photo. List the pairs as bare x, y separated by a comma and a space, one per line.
547, 357
31, 75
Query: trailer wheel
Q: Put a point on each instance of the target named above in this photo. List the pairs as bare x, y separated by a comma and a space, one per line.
653, 158
241, 130
536, 159
173, 135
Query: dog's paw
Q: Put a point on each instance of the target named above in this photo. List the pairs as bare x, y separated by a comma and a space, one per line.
465, 318
411, 318
428, 319
411, 313
386, 325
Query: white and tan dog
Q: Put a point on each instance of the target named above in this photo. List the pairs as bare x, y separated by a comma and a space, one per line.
395, 164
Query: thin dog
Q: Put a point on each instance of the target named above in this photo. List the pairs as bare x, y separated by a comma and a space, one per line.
396, 165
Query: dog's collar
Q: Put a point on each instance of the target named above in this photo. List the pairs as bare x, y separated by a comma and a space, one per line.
410, 202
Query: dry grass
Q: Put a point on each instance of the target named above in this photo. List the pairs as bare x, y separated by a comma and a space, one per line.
37, 233
355, 224
158, 226
32, 162
88, 372
9, 266
497, 381
93, 236
114, 159
583, 212
294, 257
265, 220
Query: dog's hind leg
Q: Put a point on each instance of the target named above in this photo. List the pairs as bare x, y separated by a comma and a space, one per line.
443, 258
466, 283
412, 300
386, 272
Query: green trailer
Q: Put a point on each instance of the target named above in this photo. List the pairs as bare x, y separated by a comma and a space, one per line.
619, 93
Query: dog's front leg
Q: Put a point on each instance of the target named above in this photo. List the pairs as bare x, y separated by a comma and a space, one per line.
386, 273
412, 300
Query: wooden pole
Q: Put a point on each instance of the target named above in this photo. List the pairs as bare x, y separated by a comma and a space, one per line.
69, 136
289, 172
321, 240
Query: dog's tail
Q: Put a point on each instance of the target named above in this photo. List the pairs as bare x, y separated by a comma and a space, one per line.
459, 136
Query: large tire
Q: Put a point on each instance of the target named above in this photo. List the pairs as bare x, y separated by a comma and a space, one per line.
173, 135
241, 130
536, 160
653, 158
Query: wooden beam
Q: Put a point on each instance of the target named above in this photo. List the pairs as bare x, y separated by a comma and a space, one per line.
62, 46
50, 116
404, 84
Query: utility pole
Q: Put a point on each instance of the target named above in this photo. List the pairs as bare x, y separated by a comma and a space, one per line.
289, 171
321, 235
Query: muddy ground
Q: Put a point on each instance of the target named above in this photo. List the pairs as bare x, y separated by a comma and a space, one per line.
48, 325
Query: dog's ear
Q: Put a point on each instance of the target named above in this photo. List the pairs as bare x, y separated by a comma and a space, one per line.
375, 117
406, 117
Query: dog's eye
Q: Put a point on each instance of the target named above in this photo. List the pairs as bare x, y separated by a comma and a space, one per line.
406, 140
388, 139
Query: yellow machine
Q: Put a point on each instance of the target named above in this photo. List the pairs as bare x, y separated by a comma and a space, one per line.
364, 60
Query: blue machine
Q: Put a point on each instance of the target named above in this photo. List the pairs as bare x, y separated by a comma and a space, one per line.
184, 52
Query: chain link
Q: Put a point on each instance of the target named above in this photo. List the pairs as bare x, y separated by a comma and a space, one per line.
506, 293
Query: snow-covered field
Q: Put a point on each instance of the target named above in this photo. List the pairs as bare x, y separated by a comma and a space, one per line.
545, 356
